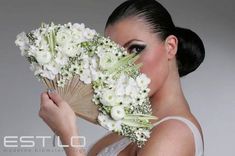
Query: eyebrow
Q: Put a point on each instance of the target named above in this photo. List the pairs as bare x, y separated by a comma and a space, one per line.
127, 43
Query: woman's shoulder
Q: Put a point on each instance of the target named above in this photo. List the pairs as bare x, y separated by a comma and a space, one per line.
108, 139
172, 136
180, 119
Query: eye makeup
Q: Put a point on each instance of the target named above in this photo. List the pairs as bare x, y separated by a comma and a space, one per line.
136, 48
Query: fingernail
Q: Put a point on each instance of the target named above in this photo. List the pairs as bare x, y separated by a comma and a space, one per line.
51, 90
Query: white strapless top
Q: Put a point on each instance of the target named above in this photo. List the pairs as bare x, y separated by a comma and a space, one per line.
115, 148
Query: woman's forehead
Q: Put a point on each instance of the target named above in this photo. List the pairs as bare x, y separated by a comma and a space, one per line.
127, 29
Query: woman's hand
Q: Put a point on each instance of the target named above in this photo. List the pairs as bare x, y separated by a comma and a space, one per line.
60, 117
57, 113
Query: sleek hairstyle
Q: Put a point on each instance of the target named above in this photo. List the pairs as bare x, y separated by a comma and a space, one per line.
191, 51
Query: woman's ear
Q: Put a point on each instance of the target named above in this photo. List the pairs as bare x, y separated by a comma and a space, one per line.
171, 45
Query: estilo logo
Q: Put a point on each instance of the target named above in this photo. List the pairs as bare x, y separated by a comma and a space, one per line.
32, 141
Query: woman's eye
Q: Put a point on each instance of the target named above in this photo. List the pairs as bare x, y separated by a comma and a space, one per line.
136, 48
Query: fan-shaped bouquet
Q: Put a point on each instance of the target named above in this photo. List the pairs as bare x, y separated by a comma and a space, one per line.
96, 76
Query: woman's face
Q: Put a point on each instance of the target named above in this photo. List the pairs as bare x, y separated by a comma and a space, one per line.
135, 36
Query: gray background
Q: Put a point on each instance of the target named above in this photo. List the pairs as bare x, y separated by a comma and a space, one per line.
209, 90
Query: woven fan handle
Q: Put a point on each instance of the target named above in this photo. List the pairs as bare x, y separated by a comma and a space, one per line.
79, 97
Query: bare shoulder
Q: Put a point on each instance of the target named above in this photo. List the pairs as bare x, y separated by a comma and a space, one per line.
102, 143
171, 137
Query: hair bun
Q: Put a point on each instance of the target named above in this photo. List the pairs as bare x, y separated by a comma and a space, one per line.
191, 51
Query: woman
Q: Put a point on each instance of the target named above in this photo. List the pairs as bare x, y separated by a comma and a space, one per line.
167, 53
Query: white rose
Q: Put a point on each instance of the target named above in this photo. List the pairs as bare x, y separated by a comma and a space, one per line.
143, 81
109, 123
117, 112
43, 57
108, 98
63, 35
69, 50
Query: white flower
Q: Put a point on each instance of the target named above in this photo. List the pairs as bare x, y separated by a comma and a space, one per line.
23, 42
89, 33
63, 35
94, 74
47, 74
85, 61
131, 91
120, 90
132, 88
21, 39
32, 51
61, 82
68, 49
35, 68
108, 123
93, 62
117, 112
142, 81
127, 100
79, 27
43, 57
79, 49
74, 68
108, 79
107, 60
38, 37
42, 43
66, 74
146, 133
121, 85
52, 67
86, 76
142, 134
100, 51
61, 59
77, 30
108, 98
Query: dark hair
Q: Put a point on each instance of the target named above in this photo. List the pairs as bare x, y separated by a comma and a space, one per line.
191, 50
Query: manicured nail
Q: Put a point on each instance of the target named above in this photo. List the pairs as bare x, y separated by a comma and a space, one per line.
51, 90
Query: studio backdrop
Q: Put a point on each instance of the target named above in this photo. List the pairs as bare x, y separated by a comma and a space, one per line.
209, 90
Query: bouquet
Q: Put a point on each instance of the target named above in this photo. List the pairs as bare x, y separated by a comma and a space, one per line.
96, 76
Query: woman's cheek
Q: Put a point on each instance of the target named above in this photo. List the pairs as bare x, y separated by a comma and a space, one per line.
149, 68
155, 66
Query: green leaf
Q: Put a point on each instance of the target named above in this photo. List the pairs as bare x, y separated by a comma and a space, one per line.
141, 117
134, 123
